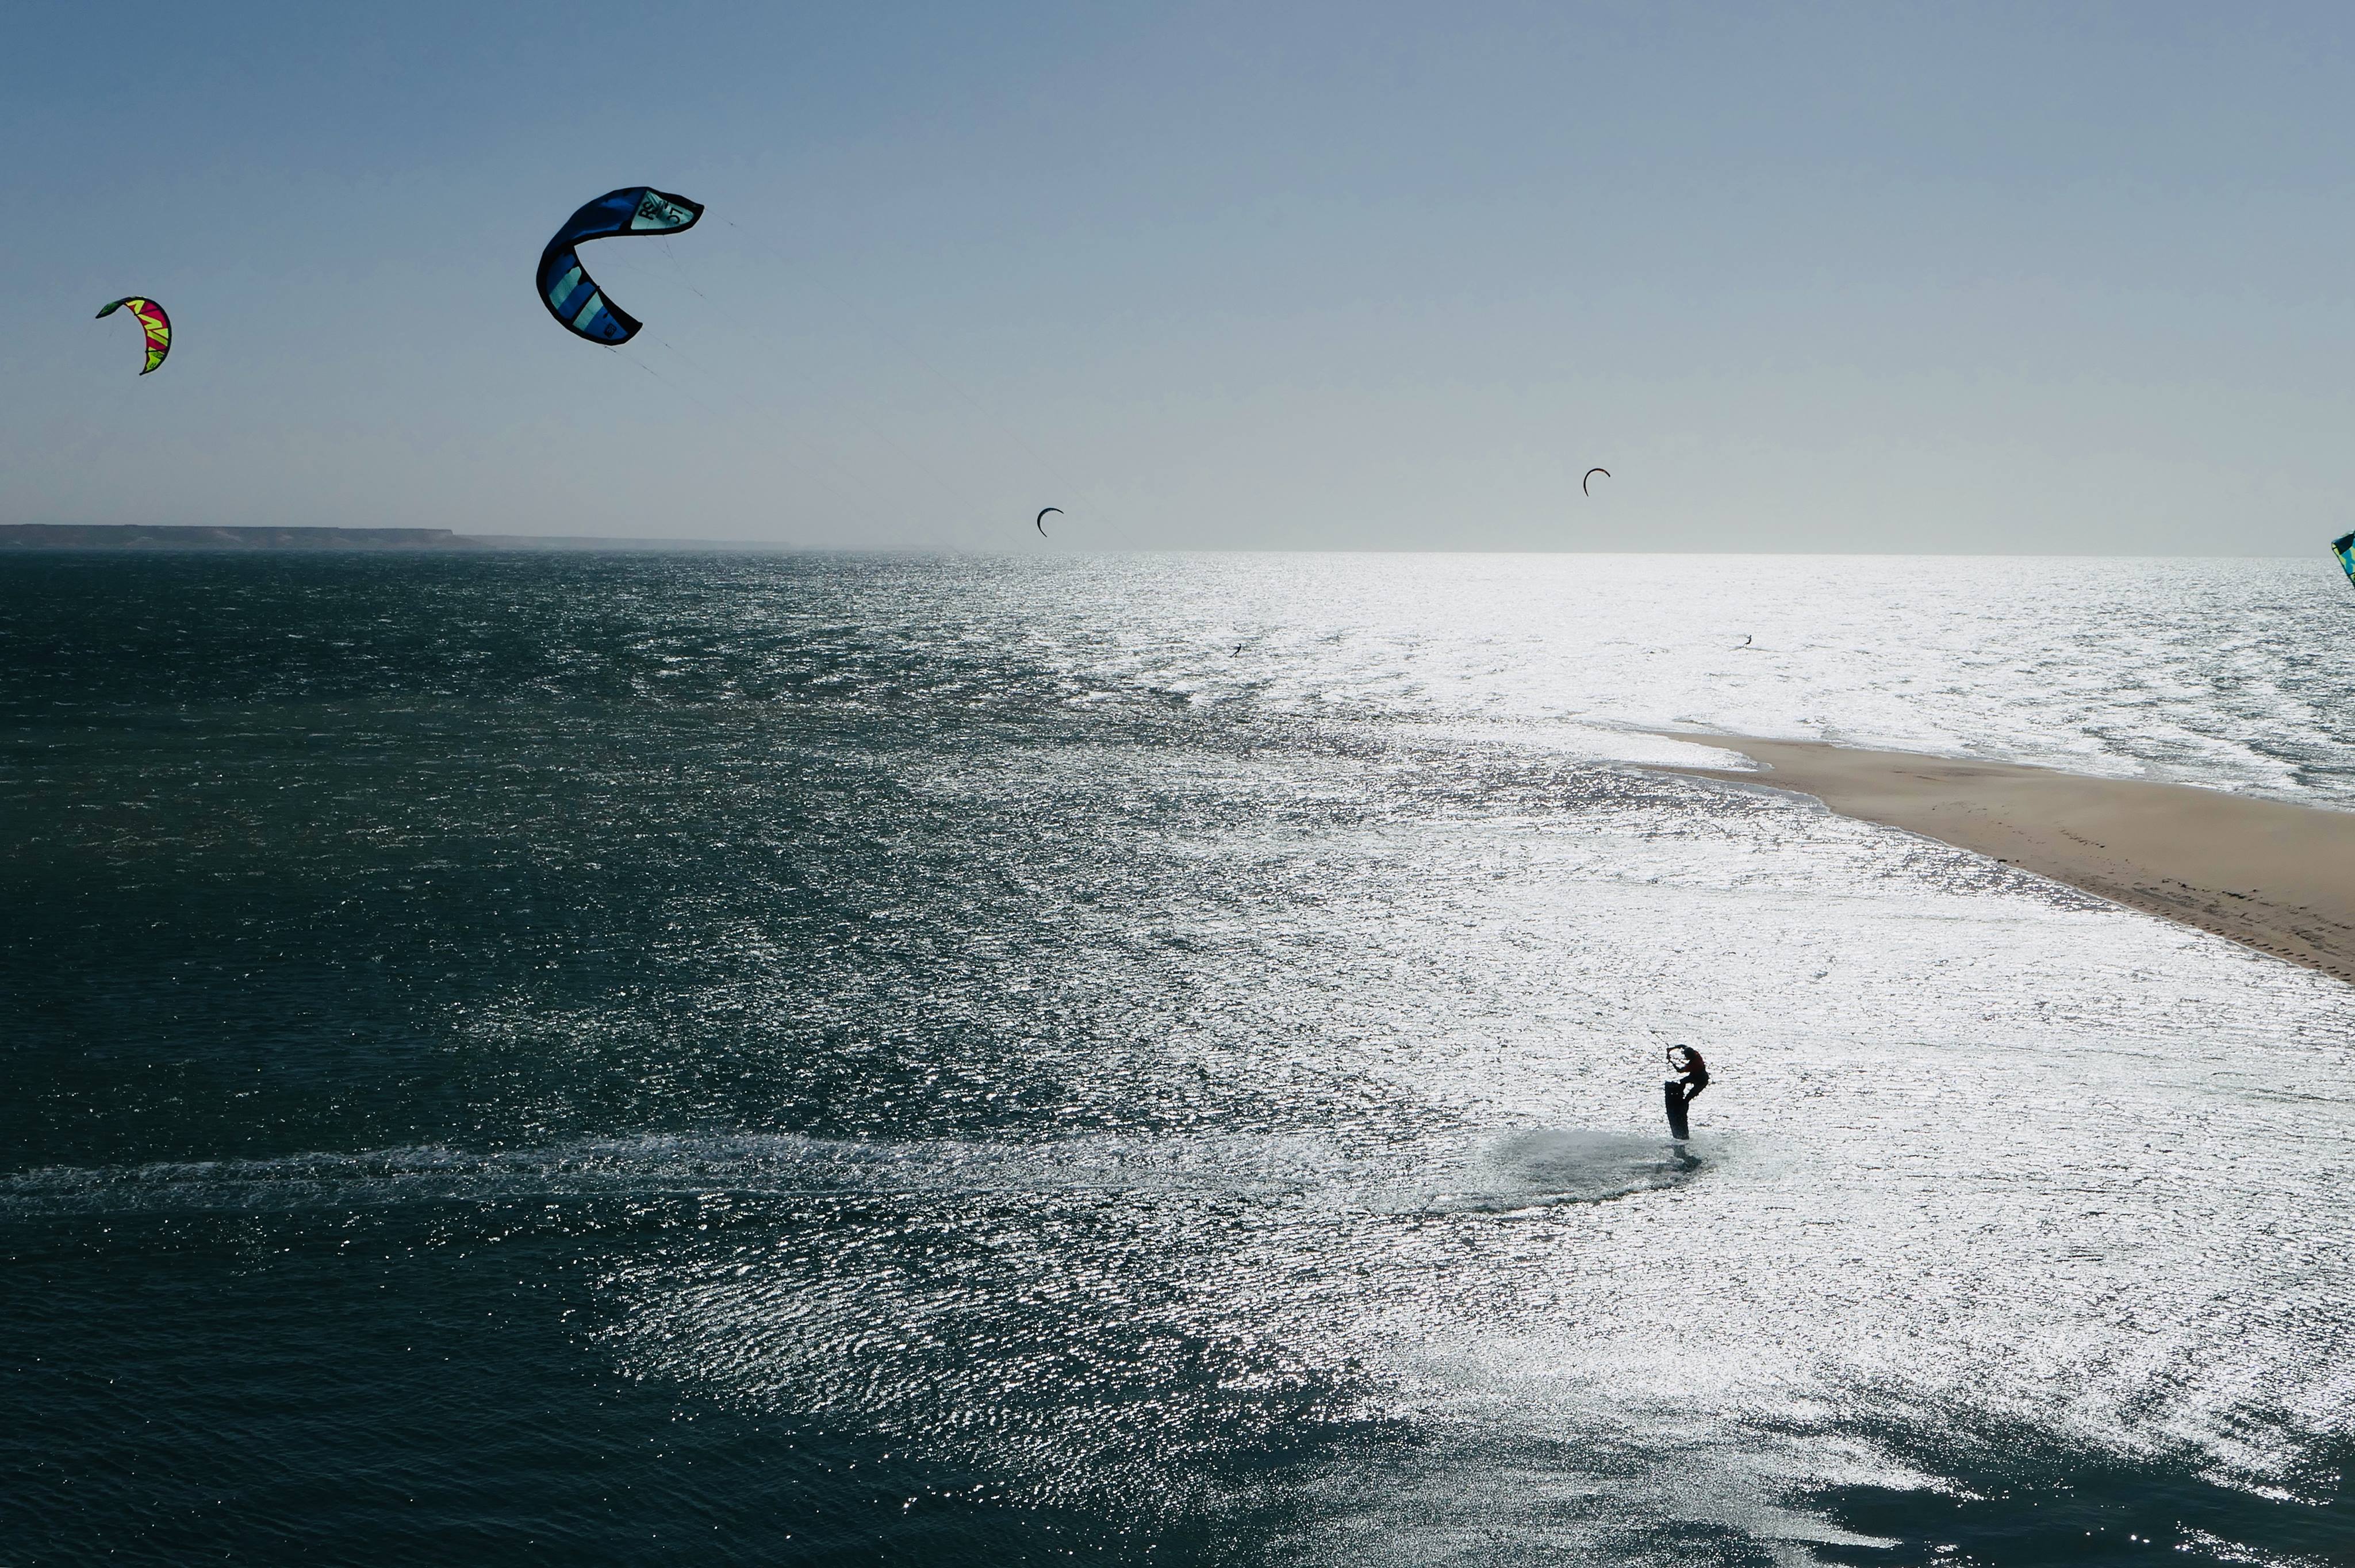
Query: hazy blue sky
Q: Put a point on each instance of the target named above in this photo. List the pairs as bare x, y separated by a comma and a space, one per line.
1837, 277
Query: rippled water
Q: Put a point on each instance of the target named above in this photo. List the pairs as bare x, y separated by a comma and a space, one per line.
816, 1060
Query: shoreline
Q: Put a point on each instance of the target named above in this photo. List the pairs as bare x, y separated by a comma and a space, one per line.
2276, 877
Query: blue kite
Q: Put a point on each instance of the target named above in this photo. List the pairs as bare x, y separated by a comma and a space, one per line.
2343, 546
570, 295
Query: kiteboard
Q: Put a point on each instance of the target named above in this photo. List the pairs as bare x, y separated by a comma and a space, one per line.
1674, 1090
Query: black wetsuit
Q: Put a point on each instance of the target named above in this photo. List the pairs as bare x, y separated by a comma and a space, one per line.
1695, 1077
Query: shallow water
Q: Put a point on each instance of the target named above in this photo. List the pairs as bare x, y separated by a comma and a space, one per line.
832, 1059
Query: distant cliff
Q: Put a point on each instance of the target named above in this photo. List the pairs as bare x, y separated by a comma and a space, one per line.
134, 535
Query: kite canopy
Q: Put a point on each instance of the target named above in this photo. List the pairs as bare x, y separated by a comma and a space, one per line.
1041, 518
570, 295
2343, 546
151, 317
1590, 473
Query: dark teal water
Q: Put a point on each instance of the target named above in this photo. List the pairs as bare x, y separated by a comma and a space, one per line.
835, 1059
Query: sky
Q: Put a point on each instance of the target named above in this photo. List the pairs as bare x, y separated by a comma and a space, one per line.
1354, 276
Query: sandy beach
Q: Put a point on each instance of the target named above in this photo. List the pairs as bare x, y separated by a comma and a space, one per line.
2271, 876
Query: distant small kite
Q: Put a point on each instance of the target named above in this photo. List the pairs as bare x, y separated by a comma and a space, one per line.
151, 317
1041, 518
2343, 546
1590, 473
571, 296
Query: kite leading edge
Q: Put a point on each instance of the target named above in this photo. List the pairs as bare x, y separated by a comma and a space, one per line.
570, 295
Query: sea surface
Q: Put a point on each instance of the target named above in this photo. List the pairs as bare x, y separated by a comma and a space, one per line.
847, 1060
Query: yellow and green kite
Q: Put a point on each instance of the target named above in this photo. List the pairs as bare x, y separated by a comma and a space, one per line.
151, 317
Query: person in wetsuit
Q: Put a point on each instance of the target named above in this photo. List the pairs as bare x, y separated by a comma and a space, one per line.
1690, 1070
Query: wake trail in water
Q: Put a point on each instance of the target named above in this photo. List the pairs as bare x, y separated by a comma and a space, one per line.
1500, 1173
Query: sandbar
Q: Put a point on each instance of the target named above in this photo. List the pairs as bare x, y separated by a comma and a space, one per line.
2273, 876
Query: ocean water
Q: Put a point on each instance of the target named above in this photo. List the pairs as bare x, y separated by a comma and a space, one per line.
839, 1060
